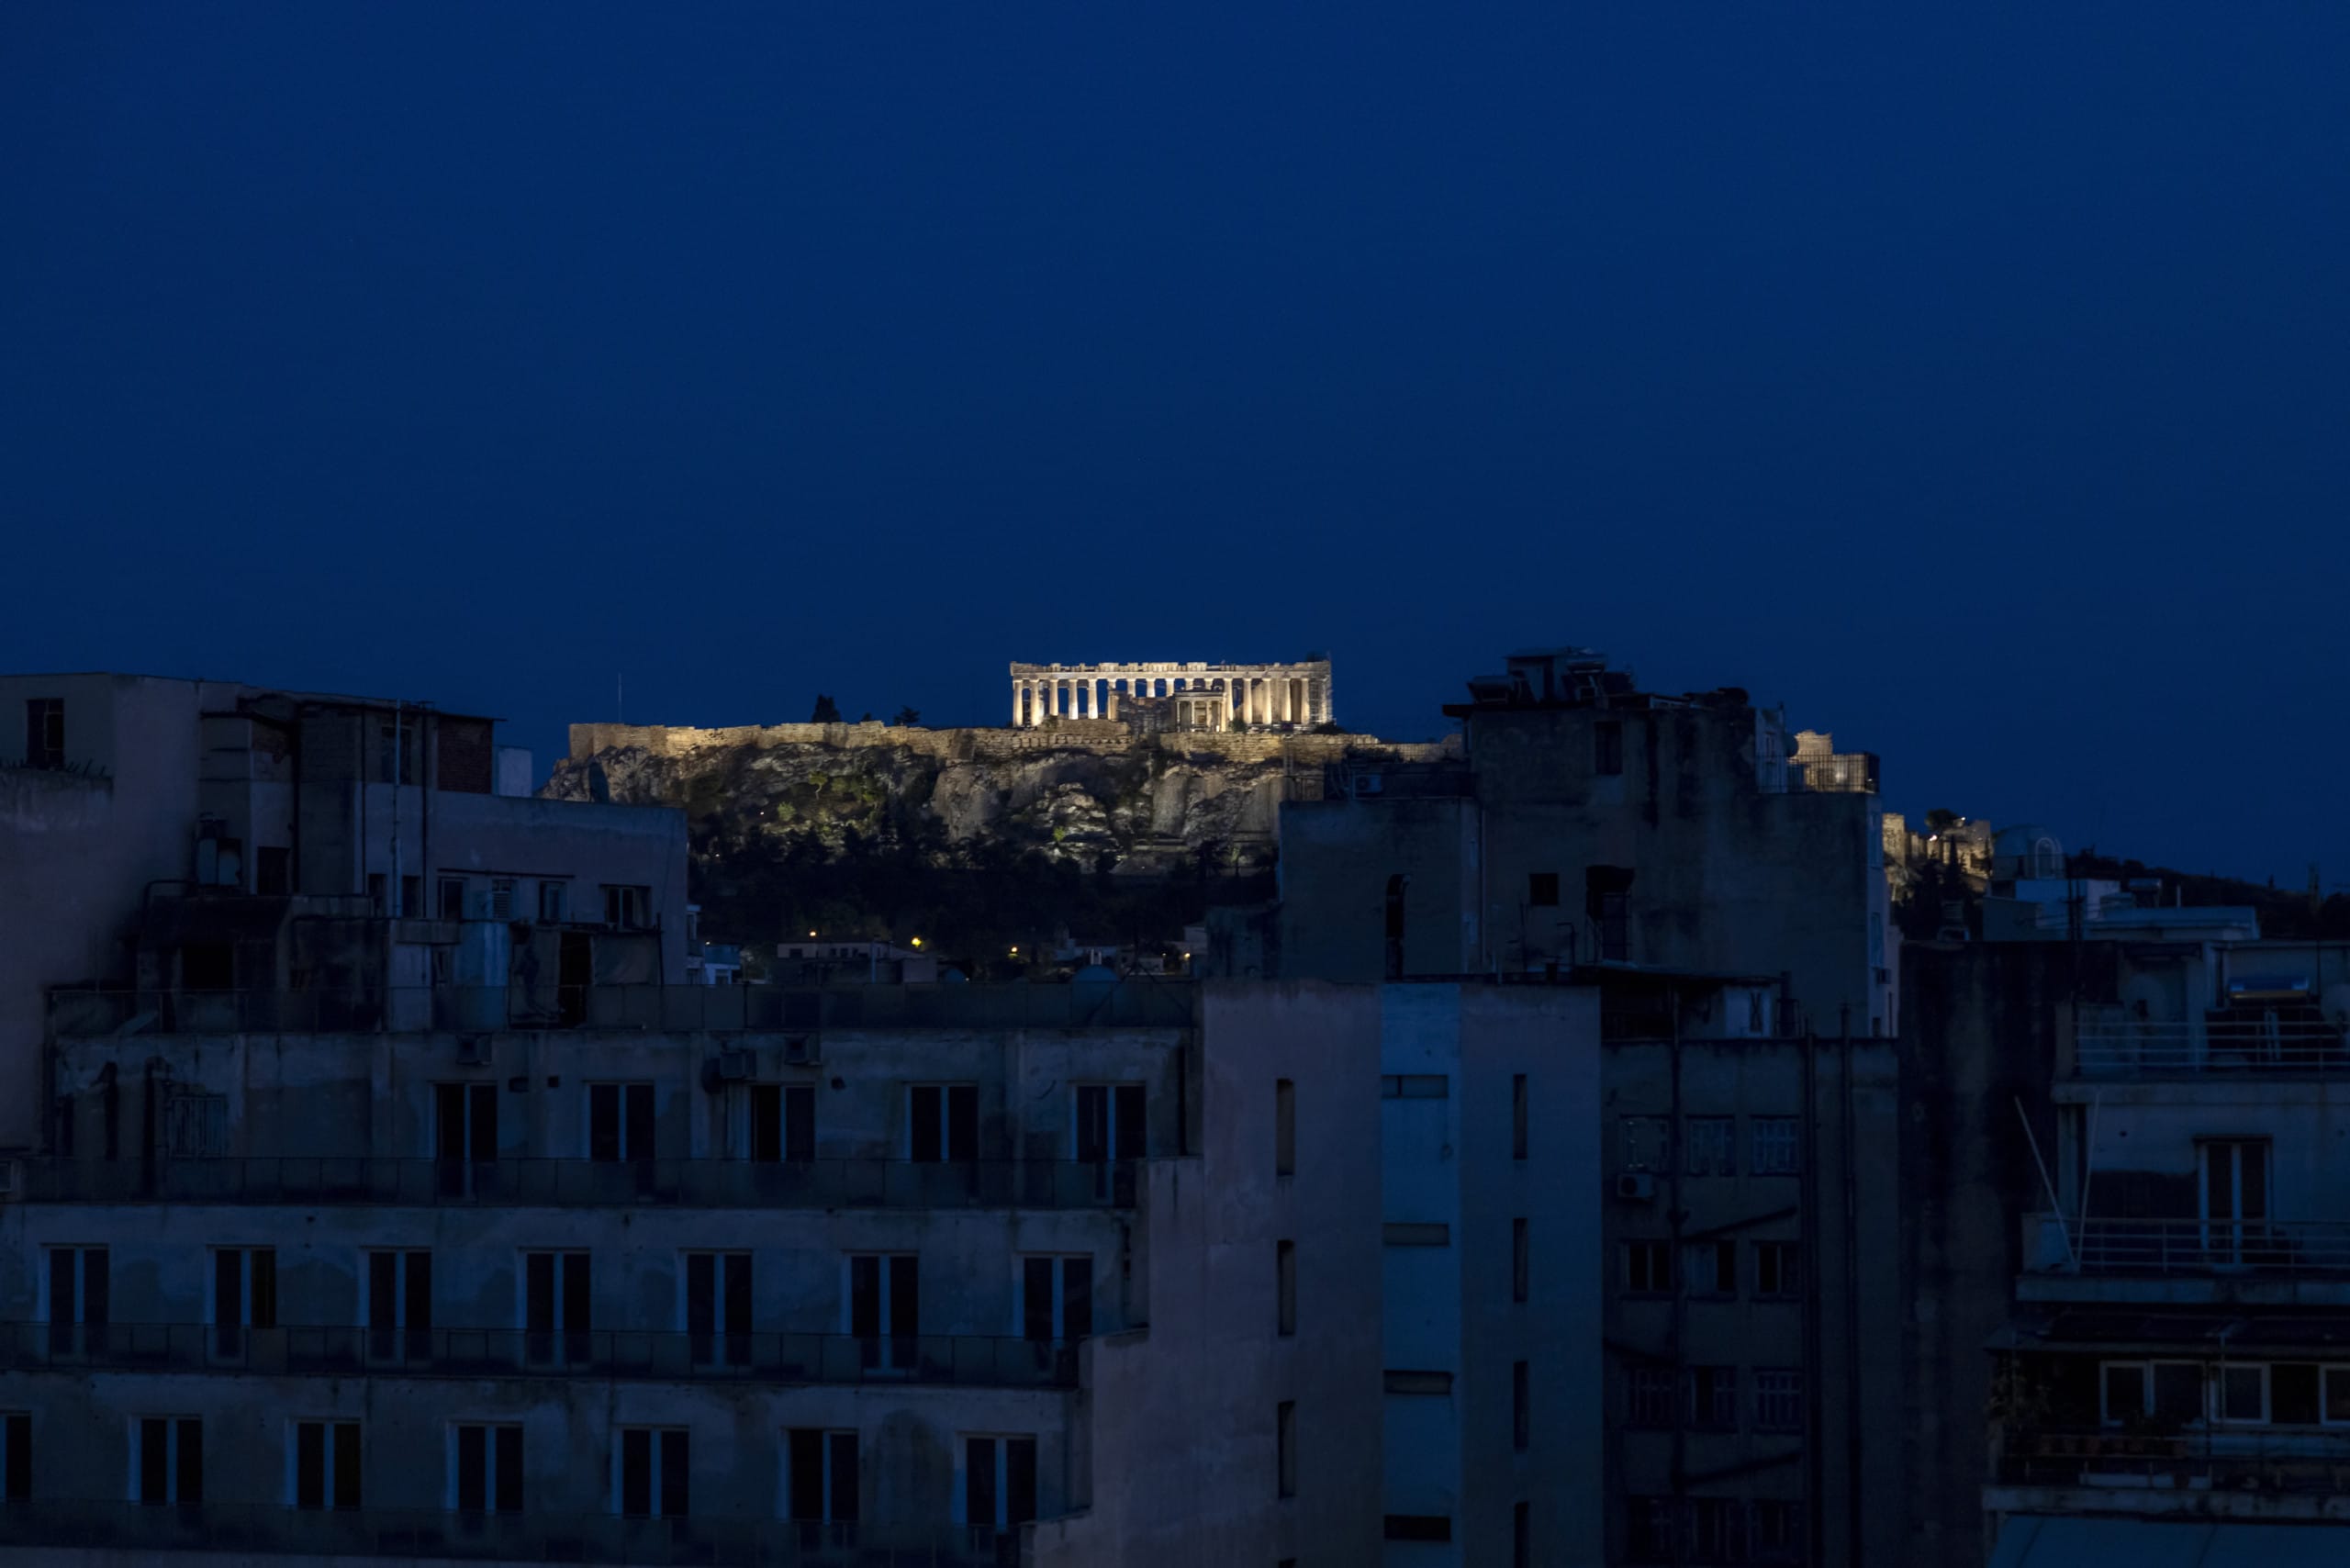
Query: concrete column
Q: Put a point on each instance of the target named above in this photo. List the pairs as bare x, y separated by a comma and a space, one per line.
1114, 700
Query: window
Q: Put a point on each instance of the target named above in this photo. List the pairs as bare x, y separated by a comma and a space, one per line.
1713, 1145
885, 1308
453, 898
1778, 1399
1713, 1399
555, 901
376, 894
557, 1294
1285, 1441
486, 1469
1056, 1299
1405, 1233
465, 1136
167, 1460
399, 1305
620, 1122
1410, 1381
502, 898
626, 908
1521, 1414
717, 1308
1651, 1396
1285, 1127
1648, 1532
2293, 1396
1777, 1530
1419, 1527
326, 1464
2333, 1399
1285, 1288
1415, 1086
1717, 1529
650, 1467
243, 1295
1643, 1142
820, 1481
783, 1121
1521, 1536
1647, 1268
44, 732
79, 1299
1542, 890
943, 1122
1778, 1269
1109, 1123
1713, 1268
273, 870
2171, 1391
16, 1456
1776, 1152
2240, 1393
1608, 747
411, 897
1519, 1261
1517, 1115
999, 1482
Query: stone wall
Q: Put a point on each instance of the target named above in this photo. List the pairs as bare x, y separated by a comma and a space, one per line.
1103, 736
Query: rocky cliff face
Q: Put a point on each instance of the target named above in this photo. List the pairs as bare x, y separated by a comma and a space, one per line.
1134, 807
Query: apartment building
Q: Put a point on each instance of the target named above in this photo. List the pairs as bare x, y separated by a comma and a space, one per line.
2173, 1381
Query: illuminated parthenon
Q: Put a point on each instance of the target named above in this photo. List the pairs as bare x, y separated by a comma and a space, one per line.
1175, 696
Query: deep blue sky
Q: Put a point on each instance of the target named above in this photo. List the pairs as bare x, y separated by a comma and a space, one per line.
1975, 382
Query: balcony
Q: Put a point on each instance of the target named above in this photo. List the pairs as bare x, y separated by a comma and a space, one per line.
241, 1528
2273, 1262
2109, 1044
590, 1183
966, 1361
2195, 1459
1129, 1003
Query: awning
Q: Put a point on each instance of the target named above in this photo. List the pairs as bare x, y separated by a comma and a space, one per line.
2034, 1541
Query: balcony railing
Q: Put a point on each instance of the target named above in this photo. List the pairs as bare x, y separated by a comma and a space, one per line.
2319, 1249
2124, 1047
2192, 1458
1128, 1004
590, 1183
958, 1359
235, 1528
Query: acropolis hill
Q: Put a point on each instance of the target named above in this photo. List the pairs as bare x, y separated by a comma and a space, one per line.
1142, 792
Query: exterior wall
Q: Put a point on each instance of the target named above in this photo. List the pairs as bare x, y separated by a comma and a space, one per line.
1181, 1446
1337, 863
1451, 1309
1844, 1333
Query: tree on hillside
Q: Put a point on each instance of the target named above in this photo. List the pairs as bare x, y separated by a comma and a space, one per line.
827, 711
907, 718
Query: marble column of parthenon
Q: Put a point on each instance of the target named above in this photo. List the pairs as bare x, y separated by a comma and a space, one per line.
1218, 696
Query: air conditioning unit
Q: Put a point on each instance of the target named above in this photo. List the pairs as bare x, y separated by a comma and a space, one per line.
1635, 1186
735, 1066
473, 1050
800, 1051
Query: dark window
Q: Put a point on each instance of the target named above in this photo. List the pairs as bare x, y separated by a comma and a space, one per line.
1521, 1536
1778, 1268
399, 1305
465, 1136
375, 894
244, 1295
885, 1308
1778, 1399
1520, 1262
1608, 747
273, 870
1542, 890
489, 1469
1713, 1399
207, 966
627, 908
1649, 1532
1393, 962
1713, 1268
783, 1121
45, 732
170, 1459
1607, 900
620, 1121
1521, 1394
80, 1299
823, 1484
1647, 1268
411, 897
1777, 1530
1055, 1298
1285, 1288
1419, 1527
1404, 1379
1285, 1127
653, 1472
1409, 1233
556, 1297
943, 1122
326, 1464
1517, 1117
1717, 1529
16, 1457
1110, 1122
2178, 1391
999, 1482
717, 1308
1285, 1441
554, 902
1415, 1086
453, 898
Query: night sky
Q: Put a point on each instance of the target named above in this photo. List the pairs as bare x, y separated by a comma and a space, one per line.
1973, 382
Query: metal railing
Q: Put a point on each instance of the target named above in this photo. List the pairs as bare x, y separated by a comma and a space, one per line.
1128, 1004
2312, 1248
971, 1360
63, 1524
2110, 1046
2289, 1460
680, 1183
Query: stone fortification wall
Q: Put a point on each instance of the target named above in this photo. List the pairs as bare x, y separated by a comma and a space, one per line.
1101, 736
